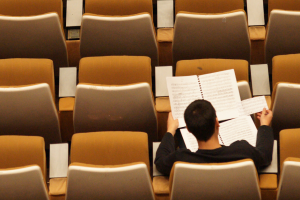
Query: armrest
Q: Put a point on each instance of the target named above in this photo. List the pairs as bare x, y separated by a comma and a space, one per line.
165, 34
57, 186
162, 104
257, 32
269, 101
66, 107
73, 48
161, 185
268, 181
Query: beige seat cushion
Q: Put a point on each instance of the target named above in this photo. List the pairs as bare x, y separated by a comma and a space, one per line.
118, 7
17, 151
23, 71
115, 70
110, 148
208, 6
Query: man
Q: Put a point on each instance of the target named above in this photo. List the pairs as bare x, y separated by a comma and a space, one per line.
201, 121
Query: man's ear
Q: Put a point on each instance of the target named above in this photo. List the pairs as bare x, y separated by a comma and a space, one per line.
217, 122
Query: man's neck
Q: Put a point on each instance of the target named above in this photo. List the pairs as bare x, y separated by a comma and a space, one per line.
212, 143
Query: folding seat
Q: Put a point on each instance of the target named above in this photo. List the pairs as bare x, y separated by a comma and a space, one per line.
165, 35
129, 181
214, 181
23, 168
24, 27
222, 35
282, 29
285, 98
282, 34
27, 99
115, 108
106, 70
108, 150
289, 181
118, 28
289, 164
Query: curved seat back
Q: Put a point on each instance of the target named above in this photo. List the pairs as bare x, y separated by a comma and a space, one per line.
115, 108
131, 181
33, 37
29, 110
282, 34
214, 181
199, 36
23, 184
130, 35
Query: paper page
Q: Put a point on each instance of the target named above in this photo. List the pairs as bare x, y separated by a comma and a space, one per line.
254, 105
160, 80
58, 160
165, 14
182, 91
241, 109
189, 140
74, 12
155, 171
67, 81
255, 12
260, 79
273, 167
241, 128
220, 88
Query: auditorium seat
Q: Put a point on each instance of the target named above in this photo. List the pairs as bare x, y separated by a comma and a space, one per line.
289, 181
110, 148
29, 110
106, 70
23, 183
282, 34
119, 28
33, 29
127, 181
115, 108
222, 35
289, 151
165, 35
215, 181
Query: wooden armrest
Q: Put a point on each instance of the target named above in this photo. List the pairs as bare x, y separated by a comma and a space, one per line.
162, 104
165, 34
66, 104
58, 186
161, 185
268, 181
66, 107
257, 32
269, 101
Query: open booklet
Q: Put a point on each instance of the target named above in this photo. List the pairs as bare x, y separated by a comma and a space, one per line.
220, 88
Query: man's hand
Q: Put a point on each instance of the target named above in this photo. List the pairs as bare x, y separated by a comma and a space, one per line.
265, 117
172, 124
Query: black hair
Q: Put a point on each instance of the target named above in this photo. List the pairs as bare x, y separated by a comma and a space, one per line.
200, 119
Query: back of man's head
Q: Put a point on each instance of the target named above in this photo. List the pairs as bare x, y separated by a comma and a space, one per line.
200, 119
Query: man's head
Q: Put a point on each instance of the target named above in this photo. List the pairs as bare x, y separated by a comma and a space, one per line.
200, 119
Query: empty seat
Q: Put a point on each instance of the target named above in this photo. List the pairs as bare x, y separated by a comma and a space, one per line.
29, 110
214, 181
115, 108
23, 183
114, 35
129, 181
222, 35
29, 37
282, 34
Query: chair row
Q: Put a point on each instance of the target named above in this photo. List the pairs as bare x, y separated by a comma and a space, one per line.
116, 165
111, 31
100, 107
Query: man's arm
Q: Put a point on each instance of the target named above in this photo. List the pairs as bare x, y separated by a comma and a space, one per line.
265, 137
165, 155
